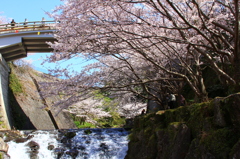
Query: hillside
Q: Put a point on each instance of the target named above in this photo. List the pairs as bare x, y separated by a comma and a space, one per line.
29, 109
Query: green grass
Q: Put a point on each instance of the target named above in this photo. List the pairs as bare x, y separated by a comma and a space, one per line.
85, 125
15, 84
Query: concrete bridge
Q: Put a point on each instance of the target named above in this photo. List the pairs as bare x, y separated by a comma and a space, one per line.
16, 41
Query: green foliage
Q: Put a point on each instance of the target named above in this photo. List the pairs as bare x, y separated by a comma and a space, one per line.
114, 121
2, 124
15, 84
20, 67
85, 125
108, 104
106, 122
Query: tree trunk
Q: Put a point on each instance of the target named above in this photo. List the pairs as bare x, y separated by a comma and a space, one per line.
237, 47
204, 94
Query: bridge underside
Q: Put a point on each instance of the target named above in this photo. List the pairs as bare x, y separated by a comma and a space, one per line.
28, 45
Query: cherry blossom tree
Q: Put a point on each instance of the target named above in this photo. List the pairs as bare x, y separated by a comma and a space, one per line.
3, 19
143, 48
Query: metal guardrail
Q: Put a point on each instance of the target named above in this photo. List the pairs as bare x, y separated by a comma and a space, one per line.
27, 26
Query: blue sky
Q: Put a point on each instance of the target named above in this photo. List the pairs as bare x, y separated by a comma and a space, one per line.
33, 10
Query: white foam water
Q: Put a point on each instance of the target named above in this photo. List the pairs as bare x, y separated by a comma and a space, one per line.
43, 138
86, 144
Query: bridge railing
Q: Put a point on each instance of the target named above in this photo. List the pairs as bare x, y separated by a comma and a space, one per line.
27, 26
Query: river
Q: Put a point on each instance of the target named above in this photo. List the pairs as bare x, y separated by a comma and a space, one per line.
71, 144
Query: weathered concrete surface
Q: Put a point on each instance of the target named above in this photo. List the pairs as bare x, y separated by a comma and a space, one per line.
35, 109
4, 98
63, 119
31, 104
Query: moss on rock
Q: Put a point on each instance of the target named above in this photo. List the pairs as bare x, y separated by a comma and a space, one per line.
204, 130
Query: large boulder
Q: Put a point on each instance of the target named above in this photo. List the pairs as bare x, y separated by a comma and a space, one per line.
33, 148
208, 130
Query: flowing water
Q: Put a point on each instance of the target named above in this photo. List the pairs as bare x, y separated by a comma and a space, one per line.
71, 144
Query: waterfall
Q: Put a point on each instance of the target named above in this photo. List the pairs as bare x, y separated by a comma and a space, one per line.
109, 143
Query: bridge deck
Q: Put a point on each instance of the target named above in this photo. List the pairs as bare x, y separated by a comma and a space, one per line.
27, 26
24, 37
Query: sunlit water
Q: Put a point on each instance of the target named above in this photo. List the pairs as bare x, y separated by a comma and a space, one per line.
99, 144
